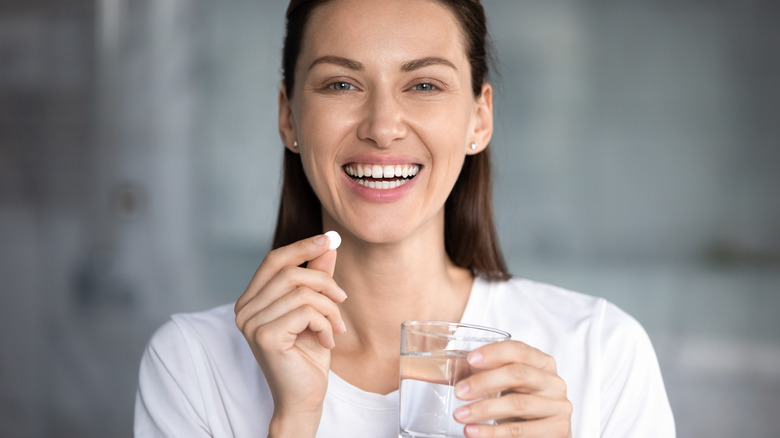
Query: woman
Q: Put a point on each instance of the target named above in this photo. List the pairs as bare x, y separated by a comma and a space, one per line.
386, 115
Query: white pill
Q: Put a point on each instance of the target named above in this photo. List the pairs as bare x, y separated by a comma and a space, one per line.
335, 239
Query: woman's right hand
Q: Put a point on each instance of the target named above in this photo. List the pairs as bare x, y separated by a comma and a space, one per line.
288, 315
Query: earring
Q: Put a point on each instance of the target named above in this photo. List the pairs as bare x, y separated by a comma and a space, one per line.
474, 146
295, 144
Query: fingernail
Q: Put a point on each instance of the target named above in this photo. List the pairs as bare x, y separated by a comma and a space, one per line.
343, 327
474, 358
472, 431
321, 240
342, 293
461, 389
462, 413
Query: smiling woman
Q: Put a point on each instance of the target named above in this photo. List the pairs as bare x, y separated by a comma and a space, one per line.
386, 117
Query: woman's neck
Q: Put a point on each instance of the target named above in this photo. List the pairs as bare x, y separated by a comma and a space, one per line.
387, 285
391, 283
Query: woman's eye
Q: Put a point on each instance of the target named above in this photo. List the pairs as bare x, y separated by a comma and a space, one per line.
341, 86
425, 87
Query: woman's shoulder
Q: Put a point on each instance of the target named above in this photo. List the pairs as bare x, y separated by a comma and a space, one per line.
522, 291
550, 304
209, 328
214, 318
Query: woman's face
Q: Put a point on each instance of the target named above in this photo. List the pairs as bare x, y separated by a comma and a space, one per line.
383, 114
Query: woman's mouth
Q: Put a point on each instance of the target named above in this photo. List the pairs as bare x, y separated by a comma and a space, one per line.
381, 176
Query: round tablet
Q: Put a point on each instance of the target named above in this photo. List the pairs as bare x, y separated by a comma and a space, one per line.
335, 239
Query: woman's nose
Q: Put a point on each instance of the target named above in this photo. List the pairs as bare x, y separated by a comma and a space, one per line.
382, 122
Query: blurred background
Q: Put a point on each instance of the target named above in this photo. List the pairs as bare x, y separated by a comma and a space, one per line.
637, 154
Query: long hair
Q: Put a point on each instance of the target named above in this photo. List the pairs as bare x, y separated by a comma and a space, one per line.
470, 236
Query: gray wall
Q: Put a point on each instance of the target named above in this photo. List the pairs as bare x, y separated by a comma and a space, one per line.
637, 155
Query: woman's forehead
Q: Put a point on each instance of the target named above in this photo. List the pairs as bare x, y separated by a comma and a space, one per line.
361, 26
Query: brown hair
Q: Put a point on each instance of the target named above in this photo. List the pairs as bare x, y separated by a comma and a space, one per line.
470, 236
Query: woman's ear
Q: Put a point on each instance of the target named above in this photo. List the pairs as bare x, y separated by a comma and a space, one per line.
286, 122
483, 121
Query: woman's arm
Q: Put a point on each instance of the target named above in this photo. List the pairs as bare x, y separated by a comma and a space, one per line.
633, 397
167, 401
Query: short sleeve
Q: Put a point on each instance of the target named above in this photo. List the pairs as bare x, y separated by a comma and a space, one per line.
167, 401
633, 397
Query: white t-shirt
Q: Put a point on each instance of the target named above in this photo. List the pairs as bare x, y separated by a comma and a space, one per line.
199, 378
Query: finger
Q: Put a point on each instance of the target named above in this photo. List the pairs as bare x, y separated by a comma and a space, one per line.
547, 428
325, 263
505, 352
292, 277
284, 331
511, 406
254, 315
294, 254
517, 376
289, 278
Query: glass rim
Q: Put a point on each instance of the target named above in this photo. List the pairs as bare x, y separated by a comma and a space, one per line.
417, 326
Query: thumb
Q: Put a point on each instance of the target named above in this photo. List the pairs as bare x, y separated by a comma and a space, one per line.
325, 263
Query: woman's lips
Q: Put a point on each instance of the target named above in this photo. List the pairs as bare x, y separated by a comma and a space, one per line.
381, 176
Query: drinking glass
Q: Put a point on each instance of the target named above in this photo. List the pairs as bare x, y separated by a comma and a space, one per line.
433, 360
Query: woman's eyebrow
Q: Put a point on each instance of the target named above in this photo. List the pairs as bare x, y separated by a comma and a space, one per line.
338, 60
424, 62
357, 66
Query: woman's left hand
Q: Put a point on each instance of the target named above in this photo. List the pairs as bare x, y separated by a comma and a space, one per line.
533, 400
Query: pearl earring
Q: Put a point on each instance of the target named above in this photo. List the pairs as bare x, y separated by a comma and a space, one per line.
474, 146
295, 144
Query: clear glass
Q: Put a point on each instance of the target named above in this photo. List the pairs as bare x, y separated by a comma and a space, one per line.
433, 360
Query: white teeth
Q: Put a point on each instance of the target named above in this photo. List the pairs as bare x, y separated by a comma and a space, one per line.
378, 171
393, 173
382, 185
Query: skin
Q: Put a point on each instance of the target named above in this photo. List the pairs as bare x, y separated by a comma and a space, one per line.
376, 84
